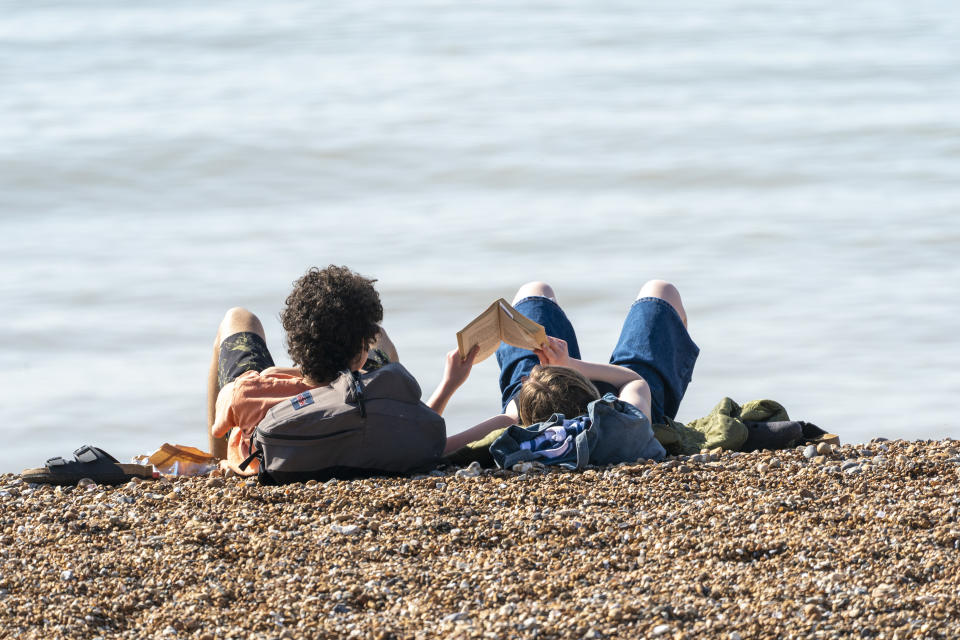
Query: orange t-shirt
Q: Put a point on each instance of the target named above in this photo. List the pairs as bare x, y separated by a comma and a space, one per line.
253, 395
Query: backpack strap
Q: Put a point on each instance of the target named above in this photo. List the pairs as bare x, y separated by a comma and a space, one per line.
358, 392
255, 454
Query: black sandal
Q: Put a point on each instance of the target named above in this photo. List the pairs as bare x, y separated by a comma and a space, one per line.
90, 462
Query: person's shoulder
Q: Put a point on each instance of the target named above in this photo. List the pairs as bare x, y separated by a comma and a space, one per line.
267, 381
282, 373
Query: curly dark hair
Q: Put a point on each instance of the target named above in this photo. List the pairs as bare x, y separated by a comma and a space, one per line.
330, 317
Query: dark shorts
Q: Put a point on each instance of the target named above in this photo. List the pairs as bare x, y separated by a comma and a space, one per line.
239, 353
653, 343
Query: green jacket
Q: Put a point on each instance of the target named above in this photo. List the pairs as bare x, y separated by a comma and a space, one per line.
723, 427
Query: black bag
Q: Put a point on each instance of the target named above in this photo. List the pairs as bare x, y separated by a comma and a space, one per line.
359, 426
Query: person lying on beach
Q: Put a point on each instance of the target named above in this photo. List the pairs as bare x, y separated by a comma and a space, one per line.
331, 321
650, 367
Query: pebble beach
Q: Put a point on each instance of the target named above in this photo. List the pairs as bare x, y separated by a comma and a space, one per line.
850, 541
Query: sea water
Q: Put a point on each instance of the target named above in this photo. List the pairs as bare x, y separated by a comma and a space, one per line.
792, 167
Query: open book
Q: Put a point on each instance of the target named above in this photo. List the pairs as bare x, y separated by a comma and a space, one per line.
499, 322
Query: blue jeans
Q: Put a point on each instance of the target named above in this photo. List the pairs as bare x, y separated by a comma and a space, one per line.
653, 343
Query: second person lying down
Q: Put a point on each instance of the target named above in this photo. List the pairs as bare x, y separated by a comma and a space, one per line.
650, 367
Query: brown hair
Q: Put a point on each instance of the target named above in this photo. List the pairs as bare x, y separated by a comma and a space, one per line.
552, 389
330, 317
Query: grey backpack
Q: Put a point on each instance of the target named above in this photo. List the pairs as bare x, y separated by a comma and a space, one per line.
359, 426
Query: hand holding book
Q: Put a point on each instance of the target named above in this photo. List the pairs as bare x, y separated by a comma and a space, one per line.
500, 322
555, 353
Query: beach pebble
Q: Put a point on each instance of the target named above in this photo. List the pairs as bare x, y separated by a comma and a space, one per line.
86, 483
883, 590
455, 617
810, 451
824, 449
599, 553
346, 530
215, 482
774, 463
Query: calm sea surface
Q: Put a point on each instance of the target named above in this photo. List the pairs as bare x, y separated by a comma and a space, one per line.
793, 167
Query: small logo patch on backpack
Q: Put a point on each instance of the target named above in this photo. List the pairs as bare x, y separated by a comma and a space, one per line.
302, 400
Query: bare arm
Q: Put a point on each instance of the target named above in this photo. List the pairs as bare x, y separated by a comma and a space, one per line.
478, 431
455, 373
555, 353
637, 393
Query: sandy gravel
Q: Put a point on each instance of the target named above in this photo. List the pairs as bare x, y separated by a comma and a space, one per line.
860, 542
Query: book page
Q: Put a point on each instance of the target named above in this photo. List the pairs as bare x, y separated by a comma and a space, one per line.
518, 330
484, 330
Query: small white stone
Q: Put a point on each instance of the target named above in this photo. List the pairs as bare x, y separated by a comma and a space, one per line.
345, 530
660, 630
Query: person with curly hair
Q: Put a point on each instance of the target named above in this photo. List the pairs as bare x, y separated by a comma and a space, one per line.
332, 323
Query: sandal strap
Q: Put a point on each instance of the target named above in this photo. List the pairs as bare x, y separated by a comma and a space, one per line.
88, 453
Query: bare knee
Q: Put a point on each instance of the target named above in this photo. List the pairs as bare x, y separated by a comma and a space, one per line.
534, 289
665, 291
237, 320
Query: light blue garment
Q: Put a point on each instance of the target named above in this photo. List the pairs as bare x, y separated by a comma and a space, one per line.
611, 431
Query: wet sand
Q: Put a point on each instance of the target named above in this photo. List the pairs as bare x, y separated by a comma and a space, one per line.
862, 542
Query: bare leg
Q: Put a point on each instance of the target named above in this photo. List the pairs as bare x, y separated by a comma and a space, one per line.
234, 321
534, 289
665, 291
